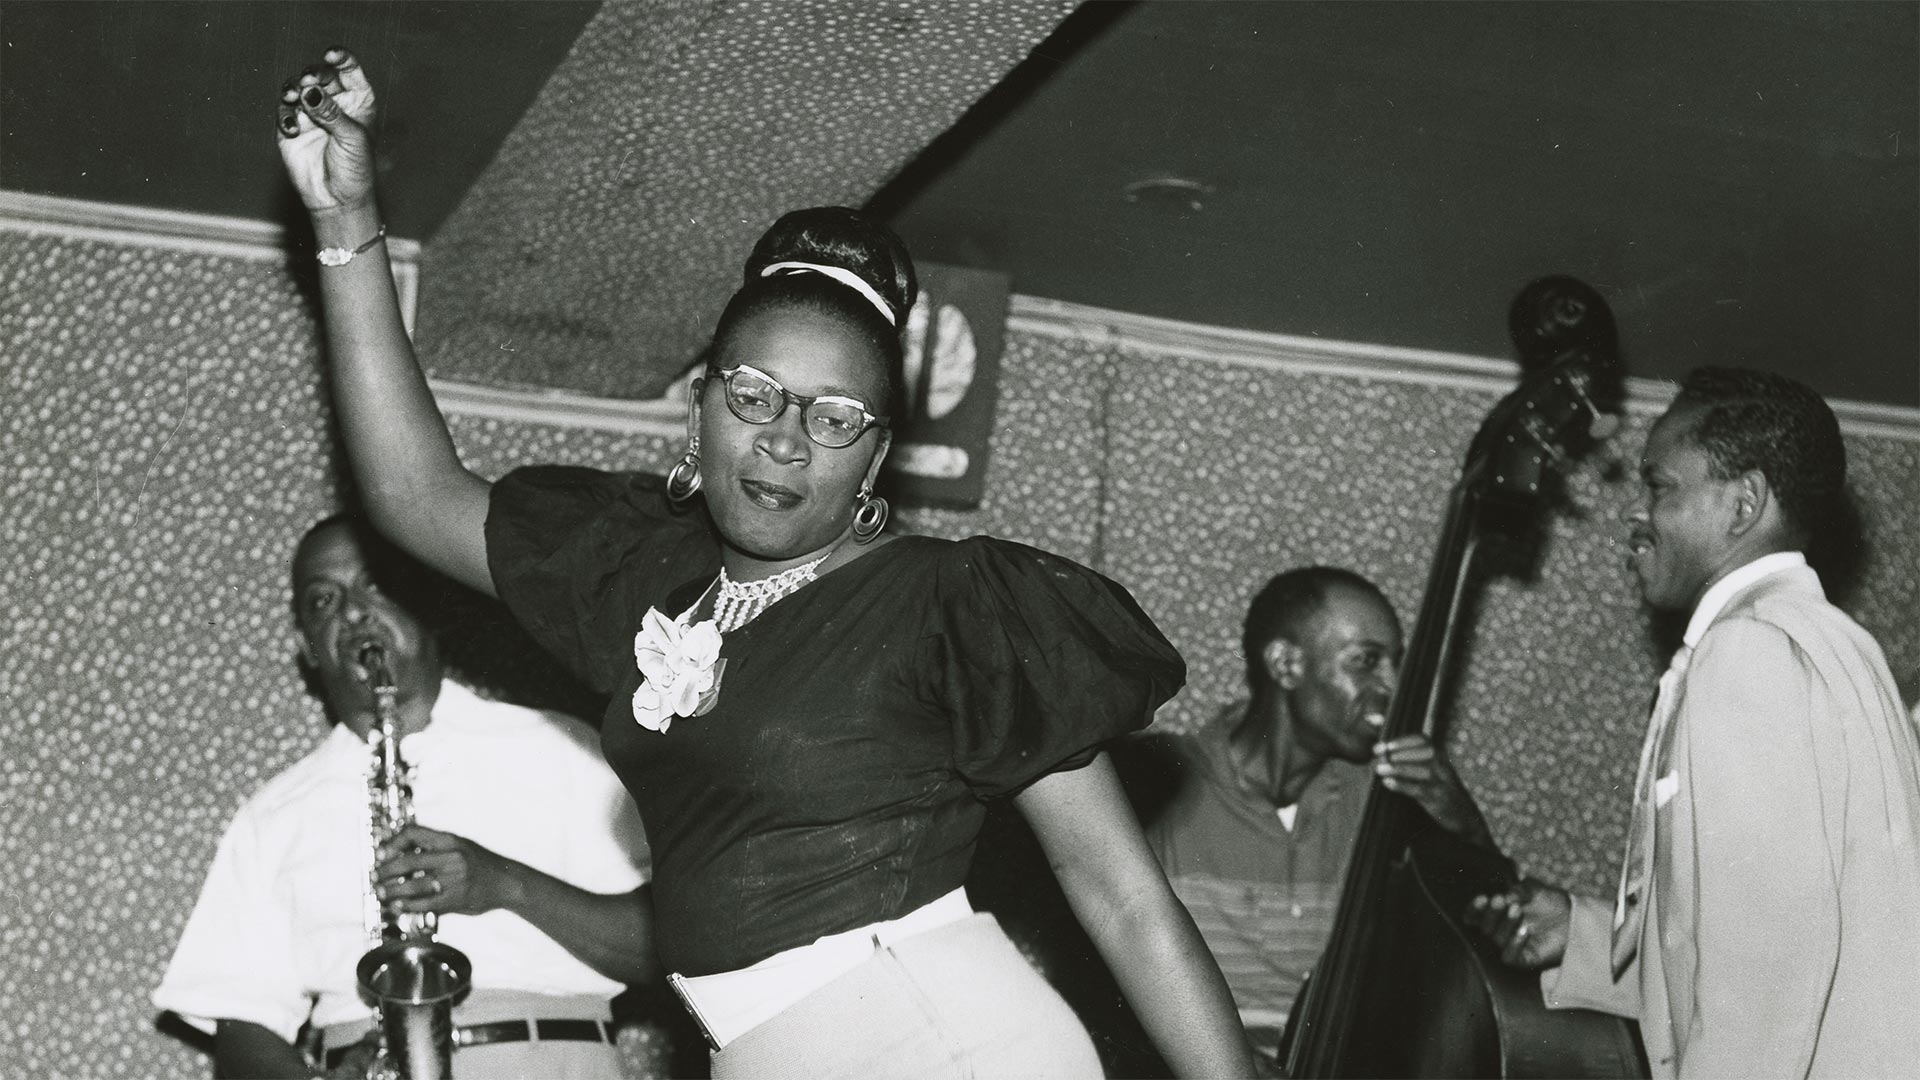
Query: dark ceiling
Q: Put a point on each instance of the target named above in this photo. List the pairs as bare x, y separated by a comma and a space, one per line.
1738, 179
170, 104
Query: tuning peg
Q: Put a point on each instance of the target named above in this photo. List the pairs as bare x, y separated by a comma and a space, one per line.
1604, 425
1543, 439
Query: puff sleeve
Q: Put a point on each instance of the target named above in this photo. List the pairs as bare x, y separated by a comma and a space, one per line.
578, 556
1038, 660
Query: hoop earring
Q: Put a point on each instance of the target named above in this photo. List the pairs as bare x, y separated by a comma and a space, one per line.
869, 516
684, 480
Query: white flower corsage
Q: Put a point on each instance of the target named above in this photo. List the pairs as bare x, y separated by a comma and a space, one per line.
681, 667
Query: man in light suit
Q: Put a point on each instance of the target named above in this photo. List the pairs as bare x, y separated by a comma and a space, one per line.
1768, 917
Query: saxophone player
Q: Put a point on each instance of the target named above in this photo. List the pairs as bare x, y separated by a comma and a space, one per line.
523, 844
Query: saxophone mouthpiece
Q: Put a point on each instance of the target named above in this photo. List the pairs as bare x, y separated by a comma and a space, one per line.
373, 657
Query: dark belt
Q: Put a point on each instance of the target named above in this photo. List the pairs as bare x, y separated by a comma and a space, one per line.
505, 1031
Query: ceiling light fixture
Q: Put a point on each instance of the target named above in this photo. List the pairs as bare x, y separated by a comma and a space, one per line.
1175, 191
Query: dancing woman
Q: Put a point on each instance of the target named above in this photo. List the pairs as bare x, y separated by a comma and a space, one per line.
808, 710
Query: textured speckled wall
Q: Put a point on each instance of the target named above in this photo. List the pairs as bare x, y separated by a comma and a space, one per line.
675, 128
163, 440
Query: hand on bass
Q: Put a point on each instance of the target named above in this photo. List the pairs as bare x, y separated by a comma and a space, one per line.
1528, 922
1412, 766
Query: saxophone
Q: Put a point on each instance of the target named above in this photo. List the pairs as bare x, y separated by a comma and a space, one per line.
409, 977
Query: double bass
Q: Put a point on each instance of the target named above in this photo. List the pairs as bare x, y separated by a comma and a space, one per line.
1404, 987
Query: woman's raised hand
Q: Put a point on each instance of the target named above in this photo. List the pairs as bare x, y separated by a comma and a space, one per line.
410, 478
324, 116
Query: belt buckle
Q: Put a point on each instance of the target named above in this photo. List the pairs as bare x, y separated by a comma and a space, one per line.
467, 1036
679, 984
571, 1029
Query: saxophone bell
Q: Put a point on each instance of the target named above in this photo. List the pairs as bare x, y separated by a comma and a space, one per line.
414, 982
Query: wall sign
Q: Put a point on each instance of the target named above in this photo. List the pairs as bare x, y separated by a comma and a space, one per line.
954, 337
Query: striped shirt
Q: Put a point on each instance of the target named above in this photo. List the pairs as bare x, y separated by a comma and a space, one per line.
1263, 889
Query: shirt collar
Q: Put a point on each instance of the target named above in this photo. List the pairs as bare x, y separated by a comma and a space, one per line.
1723, 591
456, 707
342, 746
455, 704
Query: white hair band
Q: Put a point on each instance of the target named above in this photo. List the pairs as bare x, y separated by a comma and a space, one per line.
840, 274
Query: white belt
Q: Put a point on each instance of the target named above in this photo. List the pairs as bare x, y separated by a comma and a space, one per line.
729, 1004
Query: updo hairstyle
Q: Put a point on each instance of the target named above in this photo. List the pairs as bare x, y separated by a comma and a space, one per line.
831, 236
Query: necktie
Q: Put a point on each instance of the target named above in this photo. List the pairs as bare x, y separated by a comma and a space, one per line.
1636, 867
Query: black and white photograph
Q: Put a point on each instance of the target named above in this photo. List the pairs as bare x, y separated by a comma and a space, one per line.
864, 539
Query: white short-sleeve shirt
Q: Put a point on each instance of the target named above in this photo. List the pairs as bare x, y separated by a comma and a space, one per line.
281, 920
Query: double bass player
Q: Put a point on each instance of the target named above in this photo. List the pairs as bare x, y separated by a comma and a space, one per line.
1253, 814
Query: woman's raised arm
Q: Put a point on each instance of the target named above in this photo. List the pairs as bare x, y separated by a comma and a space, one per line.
403, 460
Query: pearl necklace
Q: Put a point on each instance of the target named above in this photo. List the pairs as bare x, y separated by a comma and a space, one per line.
740, 602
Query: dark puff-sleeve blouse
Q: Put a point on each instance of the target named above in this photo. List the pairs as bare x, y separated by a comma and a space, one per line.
859, 723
